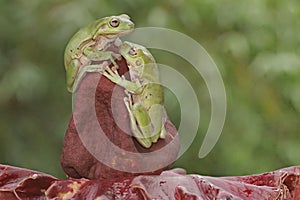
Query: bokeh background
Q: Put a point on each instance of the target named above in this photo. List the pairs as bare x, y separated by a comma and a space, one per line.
255, 44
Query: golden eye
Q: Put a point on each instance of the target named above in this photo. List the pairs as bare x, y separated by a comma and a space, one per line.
114, 22
133, 52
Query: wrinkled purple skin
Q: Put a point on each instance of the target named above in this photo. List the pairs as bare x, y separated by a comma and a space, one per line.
19, 183
283, 184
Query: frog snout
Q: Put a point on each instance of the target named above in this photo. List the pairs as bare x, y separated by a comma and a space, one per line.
131, 25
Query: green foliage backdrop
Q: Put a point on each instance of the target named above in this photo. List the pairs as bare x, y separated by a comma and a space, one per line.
255, 44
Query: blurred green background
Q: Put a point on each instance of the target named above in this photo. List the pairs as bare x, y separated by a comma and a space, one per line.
255, 44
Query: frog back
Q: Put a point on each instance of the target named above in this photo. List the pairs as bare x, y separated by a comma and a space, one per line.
79, 39
152, 94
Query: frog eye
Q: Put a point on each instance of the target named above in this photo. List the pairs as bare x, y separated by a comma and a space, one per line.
114, 22
132, 52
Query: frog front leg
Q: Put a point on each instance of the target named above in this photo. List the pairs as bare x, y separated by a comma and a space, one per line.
139, 118
91, 54
74, 74
88, 68
114, 76
96, 55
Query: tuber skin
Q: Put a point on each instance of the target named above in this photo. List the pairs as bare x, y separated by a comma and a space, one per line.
78, 162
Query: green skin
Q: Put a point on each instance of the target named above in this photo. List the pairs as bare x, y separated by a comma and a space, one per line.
90, 44
146, 96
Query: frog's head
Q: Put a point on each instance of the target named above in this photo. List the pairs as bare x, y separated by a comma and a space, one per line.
114, 26
136, 55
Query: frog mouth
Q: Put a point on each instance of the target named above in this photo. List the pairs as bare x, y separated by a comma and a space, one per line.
120, 34
126, 32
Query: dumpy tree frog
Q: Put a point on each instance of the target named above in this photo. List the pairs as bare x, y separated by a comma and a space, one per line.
145, 93
90, 44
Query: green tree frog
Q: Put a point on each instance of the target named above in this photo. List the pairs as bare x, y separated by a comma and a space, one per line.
90, 43
145, 93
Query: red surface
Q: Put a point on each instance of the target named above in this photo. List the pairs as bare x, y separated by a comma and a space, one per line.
18, 183
283, 184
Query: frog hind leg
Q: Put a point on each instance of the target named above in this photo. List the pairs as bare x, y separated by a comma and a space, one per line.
134, 119
150, 122
71, 72
163, 131
155, 114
